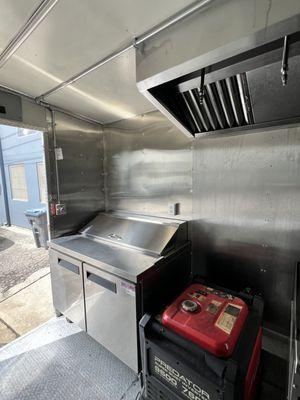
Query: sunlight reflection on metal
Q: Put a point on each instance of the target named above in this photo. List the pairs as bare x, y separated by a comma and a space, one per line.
116, 110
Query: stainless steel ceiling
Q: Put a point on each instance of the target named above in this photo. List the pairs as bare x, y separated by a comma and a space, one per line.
74, 35
13, 14
109, 91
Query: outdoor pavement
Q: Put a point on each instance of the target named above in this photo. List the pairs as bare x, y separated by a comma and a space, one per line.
25, 287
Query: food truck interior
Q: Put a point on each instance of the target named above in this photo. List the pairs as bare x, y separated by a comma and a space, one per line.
172, 149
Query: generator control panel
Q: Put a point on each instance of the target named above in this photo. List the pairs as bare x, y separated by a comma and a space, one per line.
208, 317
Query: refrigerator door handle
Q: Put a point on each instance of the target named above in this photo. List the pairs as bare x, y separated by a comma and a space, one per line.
105, 283
69, 266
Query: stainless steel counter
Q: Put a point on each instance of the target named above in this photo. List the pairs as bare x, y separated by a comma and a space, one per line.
124, 262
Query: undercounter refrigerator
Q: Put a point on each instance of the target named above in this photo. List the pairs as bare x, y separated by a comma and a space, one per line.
117, 268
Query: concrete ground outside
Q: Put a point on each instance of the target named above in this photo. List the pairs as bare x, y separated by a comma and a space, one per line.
25, 287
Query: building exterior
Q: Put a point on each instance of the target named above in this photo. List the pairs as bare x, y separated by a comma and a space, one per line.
23, 180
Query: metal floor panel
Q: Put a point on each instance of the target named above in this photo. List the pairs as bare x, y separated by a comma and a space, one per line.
59, 361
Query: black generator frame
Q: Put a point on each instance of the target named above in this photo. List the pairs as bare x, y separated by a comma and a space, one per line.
222, 378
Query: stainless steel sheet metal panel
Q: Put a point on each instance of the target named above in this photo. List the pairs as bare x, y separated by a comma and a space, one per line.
271, 101
148, 166
23, 76
246, 214
73, 36
107, 94
67, 287
22, 112
12, 105
80, 172
34, 115
126, 263
150, 235
111, 314
13, 15
213, 31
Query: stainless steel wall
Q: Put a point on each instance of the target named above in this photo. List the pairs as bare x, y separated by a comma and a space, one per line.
79, 175
244, 205
22, 112
246, 187
148, 166
246, 214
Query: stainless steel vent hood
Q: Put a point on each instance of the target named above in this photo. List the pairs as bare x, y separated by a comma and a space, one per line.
257, 86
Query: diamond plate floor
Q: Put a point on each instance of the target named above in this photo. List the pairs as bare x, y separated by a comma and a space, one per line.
58, 361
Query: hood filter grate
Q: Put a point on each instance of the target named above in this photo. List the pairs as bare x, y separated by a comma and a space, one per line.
226, 104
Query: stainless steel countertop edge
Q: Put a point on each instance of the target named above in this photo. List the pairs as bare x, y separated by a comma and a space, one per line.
98, 264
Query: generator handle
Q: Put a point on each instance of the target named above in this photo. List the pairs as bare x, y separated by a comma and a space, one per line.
142, 326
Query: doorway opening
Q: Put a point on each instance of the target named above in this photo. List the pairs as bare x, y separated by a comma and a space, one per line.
23, 176
25, 290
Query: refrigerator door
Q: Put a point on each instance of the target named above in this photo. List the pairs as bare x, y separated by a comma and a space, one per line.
67, 287
111, 313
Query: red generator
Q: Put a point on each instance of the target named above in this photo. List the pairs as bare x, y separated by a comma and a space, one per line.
205, 346
210, 318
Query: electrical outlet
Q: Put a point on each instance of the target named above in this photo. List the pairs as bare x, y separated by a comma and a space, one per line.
173, 208
61, 209
59, 153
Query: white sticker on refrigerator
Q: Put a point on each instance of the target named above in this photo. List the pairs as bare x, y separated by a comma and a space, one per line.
129, 288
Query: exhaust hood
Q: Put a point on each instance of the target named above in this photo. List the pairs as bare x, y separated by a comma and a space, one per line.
257, 87
225, 104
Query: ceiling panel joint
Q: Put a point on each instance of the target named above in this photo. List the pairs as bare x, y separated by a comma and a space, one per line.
26, 30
